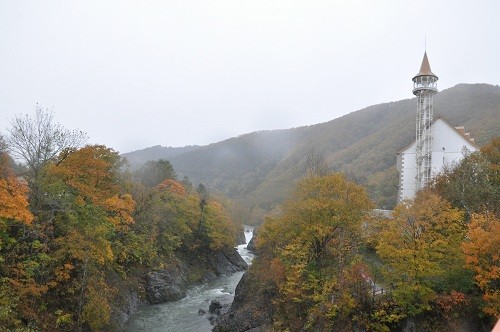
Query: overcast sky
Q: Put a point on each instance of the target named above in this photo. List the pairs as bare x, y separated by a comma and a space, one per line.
134, 74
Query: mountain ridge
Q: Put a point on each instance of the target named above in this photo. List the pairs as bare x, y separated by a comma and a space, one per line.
257, 169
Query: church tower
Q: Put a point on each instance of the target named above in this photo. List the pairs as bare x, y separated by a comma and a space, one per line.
424, 87
437, 143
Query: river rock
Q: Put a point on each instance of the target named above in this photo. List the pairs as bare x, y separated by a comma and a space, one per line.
224, 261
214, 307
186, 268
125, 302
165, 285
240, 237
231, 256
251, 243
251, 309
130, 302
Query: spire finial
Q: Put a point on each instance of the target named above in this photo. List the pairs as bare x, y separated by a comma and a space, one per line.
425, 43
425, 68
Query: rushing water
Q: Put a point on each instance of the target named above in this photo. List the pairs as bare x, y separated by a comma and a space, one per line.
182, 315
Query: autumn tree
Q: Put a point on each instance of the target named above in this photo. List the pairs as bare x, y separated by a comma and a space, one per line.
37, 140
220, 229
314, 164
15, 217
13, 194
420, 248
83, 252
92, 173
177, 216
88, 227
58, 267
91, 221
482, 256
309, 251
154, 172
474, 184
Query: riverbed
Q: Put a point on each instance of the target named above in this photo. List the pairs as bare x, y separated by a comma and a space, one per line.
182, 315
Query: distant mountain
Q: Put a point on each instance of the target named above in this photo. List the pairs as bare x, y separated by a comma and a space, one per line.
258, 169
139, 157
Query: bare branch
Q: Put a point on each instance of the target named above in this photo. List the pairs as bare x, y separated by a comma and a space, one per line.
315, 164
3, 145
37, 140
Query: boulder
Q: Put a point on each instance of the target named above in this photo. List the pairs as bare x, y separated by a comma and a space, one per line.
214, 307
165, 285
240, 237
185, 269
126, 301
251, 243
251, 309
226, 261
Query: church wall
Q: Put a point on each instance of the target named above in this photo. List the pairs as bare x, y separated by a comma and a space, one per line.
447, 146
408, 172
443, 136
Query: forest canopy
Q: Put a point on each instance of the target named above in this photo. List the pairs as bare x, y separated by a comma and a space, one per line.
329, 264
74, 220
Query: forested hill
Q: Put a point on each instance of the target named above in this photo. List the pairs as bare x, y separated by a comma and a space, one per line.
258, 168
156, 152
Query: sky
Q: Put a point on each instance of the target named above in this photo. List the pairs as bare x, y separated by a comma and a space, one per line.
134, 74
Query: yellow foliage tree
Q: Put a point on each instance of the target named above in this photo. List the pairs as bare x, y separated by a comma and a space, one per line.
419, 246
220, 229
95, 211
309, 252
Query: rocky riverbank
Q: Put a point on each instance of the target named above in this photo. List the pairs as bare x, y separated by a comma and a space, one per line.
170, 283
251, 309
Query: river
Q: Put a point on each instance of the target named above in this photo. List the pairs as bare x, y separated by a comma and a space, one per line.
182, 315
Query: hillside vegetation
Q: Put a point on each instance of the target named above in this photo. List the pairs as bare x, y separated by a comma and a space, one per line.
83, 243
260, 168
326, 262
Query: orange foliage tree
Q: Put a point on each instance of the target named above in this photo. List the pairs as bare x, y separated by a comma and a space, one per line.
13, 195
87, 229
14, 214
482, 254
91, 173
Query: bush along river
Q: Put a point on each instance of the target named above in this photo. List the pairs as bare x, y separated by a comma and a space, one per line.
195, 311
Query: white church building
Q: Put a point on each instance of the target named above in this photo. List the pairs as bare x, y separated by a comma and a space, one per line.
436, 144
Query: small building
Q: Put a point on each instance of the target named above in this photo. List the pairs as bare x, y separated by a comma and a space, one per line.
437, 143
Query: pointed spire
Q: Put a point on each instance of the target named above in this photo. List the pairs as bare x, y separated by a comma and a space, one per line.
425, 68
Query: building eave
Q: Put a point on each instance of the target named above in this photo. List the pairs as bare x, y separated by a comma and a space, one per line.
468, 139
440, 117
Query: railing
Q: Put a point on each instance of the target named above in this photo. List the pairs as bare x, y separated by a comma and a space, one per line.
425, 83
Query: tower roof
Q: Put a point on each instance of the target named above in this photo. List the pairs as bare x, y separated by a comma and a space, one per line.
425, 68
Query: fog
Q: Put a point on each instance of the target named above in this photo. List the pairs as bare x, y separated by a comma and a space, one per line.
134, 74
